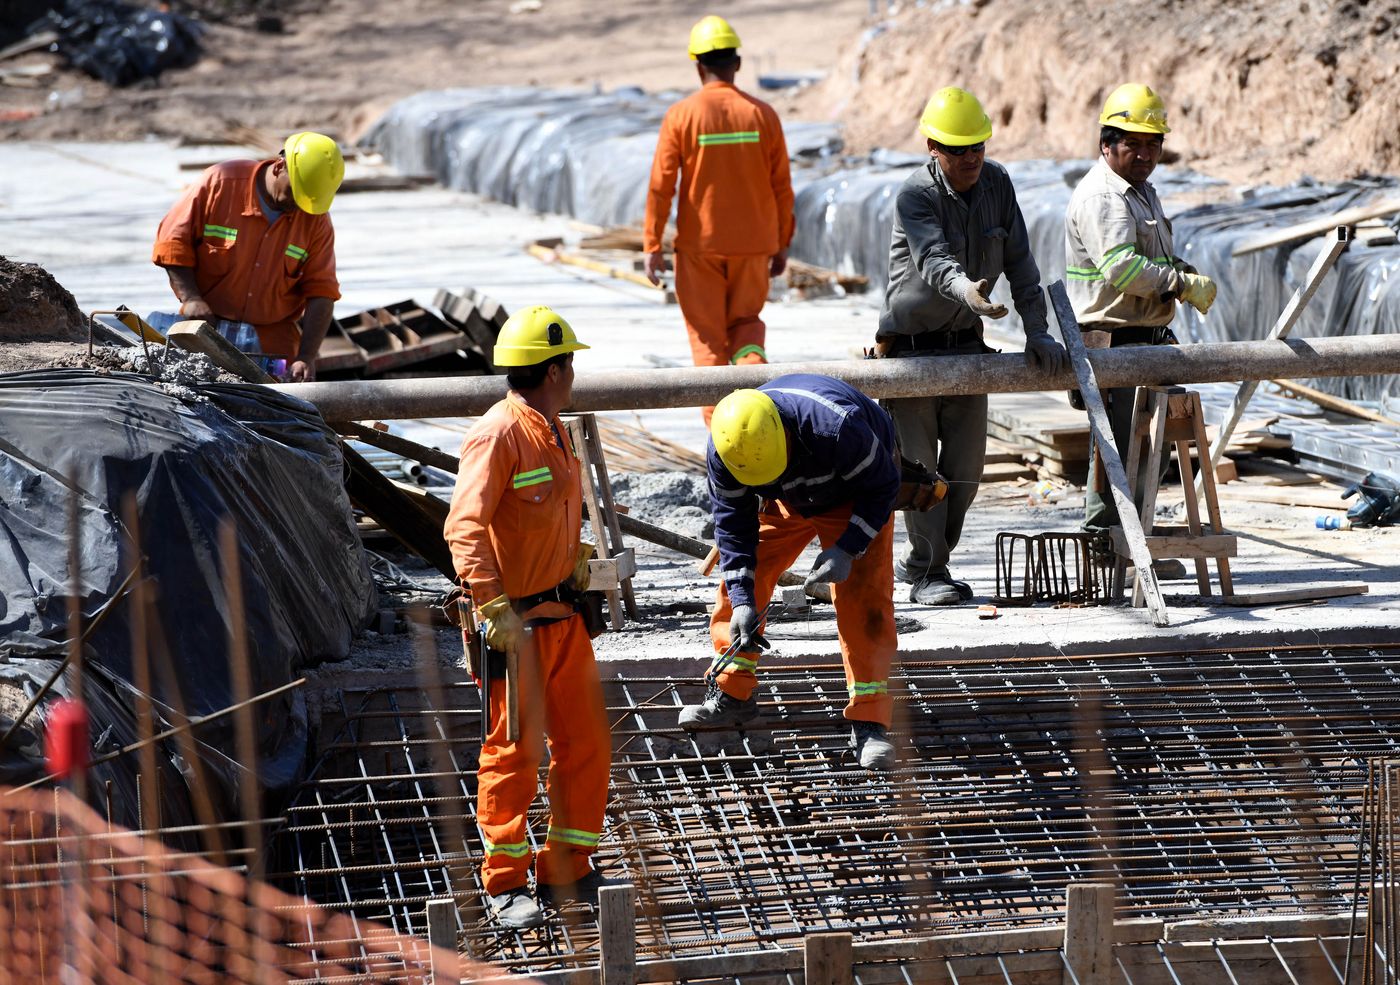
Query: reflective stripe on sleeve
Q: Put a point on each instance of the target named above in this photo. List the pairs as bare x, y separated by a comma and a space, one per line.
865, 462
870, 531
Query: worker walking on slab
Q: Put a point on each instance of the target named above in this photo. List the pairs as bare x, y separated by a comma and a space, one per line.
1121, 276
957, 229
804, 456
513, 528
250, 248
734, 216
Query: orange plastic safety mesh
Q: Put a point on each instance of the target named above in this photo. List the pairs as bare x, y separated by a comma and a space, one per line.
82, 901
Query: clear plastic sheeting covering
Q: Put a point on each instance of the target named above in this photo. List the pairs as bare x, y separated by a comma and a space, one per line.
579, 153
72, 439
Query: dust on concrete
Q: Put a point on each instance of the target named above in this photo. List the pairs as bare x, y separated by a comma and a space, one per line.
34, 307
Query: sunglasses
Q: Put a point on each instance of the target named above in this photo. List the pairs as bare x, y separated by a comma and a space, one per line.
960, 151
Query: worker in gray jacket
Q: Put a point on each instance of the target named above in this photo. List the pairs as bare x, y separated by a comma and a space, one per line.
957, 228
1121, 277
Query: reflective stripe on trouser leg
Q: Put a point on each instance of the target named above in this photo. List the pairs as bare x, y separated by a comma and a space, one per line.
746, 283
865, 619
507, 781
580, 750
781, 538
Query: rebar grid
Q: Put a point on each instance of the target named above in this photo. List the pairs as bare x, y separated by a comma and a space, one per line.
1200, 783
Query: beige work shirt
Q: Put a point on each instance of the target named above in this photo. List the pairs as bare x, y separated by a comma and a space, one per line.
1118, 253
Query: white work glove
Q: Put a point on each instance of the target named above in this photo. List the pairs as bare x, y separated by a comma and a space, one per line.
743, 628
974, 295
832, 565
1045, 354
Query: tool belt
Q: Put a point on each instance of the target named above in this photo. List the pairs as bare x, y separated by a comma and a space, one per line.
919, 489
587, 604
897, 345
1129, 335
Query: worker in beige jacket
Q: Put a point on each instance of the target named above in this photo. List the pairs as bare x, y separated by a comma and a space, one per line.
1122, 279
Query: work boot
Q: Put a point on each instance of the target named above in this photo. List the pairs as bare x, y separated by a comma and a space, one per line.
872, 747
718, 710
937, 591
515, 909
584, 891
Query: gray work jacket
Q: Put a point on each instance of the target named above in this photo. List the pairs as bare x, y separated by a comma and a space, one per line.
942, 242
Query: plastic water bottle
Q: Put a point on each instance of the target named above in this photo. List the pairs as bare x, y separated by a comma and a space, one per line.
1329, 522
1044, 492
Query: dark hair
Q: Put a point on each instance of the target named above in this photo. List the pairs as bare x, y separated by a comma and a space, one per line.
1112, 135
719, 58
529, 377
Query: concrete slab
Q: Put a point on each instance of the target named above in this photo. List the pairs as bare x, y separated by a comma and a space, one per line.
88, 213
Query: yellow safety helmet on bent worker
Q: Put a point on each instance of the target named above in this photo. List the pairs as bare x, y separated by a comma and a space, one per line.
955, 118
315, 168
711, 34
533, 335
749, 437
1134, 106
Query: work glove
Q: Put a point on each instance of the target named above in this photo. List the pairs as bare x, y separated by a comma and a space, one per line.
833, 566
1182, 267
743, 628
580, 576
1198, 291
1045, 354
974, 295
504, 629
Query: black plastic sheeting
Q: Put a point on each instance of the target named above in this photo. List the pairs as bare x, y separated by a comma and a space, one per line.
119, 43
583, 154
264, 460
588, 155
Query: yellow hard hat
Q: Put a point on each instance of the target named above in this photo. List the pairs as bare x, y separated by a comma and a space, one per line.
533, 335
954, 117
1134, 106
749, 437
711, 34
316, 168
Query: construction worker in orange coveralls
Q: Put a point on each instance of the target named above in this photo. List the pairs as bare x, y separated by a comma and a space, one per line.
803, 457
513, 528
734, 217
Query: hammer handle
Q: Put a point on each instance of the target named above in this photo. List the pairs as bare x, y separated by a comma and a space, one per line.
512, 697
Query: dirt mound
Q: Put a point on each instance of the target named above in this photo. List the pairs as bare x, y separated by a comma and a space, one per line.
34, 307
1255, 89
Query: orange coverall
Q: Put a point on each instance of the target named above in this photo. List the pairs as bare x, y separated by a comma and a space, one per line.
246, 269
864, 610
513, 528
734, 214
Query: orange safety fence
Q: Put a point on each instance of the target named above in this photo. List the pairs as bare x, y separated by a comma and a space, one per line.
84, 901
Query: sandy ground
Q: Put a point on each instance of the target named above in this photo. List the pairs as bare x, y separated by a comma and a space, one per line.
1258, 90
338, 67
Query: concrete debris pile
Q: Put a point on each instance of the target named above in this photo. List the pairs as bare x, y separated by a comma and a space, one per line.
34, 307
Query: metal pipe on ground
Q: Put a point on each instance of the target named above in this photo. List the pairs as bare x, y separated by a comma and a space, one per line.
1214, 362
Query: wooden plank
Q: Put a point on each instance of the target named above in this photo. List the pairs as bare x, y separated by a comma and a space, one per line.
1182, 545
398, 513
599, 267
1285, 496
398, 446
1282, 327
617, 935
827, 959
1303, 594
1328, 401
1108, 454
1316, 227
442, 936
1089, 932
25, 45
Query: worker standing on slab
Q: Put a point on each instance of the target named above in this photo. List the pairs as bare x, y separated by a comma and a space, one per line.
957, 229
734, 217
513, 528
250, 249
804, 456
1121, 276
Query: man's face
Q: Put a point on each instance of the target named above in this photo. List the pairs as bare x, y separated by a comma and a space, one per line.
961, 169
280, 187
1134, 157
564, 379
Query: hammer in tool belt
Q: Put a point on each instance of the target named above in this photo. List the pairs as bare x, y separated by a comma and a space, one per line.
480, 659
